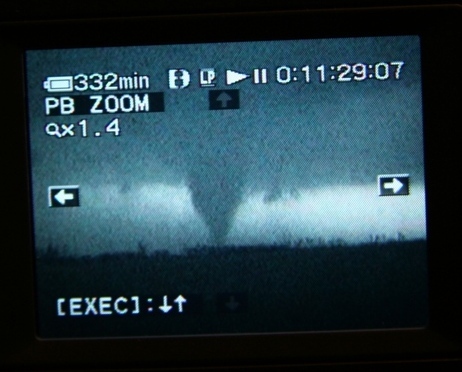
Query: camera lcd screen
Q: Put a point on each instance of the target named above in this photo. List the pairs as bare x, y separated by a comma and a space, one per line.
228, 188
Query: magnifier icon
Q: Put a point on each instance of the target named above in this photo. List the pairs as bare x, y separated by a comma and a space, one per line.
52, 129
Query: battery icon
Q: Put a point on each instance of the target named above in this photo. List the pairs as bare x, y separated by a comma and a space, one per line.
59, 84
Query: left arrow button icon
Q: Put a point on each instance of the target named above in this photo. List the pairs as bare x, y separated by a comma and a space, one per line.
63, 196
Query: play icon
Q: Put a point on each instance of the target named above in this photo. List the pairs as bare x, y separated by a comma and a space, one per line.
233, 77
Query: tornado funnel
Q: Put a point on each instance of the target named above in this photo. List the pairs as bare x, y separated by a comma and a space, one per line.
216, 190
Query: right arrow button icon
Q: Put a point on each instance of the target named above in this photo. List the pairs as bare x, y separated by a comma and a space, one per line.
393, 184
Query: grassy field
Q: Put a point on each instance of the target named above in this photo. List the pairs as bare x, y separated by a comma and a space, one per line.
328, 287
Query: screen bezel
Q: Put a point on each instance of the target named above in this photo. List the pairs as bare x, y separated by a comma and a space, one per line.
438, 30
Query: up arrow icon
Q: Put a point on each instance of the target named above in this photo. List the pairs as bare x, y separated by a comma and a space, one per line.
227, 99
180, 300
224, 98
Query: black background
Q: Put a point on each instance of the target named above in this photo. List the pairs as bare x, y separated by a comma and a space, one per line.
54, 9
16, 324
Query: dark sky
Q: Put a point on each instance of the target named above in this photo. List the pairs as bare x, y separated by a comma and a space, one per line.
295, 160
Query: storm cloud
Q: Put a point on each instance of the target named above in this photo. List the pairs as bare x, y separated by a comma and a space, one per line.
293, 162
